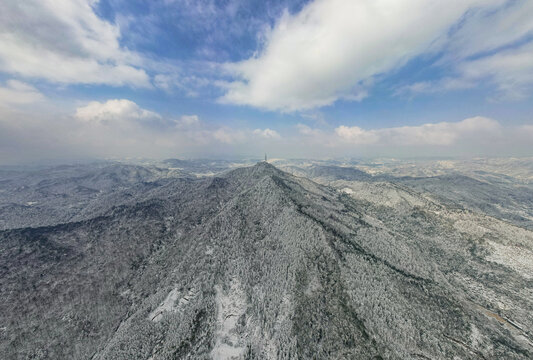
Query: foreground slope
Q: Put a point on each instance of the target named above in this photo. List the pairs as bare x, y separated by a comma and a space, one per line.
261, 264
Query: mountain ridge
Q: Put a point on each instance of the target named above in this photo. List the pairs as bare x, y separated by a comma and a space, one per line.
255, 263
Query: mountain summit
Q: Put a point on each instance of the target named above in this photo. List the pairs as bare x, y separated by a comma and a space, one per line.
259, 264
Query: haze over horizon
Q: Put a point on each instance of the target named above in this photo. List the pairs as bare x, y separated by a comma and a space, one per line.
180, 78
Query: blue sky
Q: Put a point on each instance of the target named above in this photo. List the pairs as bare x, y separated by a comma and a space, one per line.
184, 78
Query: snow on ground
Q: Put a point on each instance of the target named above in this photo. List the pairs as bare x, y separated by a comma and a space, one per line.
475, 336
471, 227
231, 305
517, 258
379, 193
171, 304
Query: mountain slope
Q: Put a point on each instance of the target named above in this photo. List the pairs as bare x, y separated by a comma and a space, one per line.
68, 193
503, 197
261, 264
505, 200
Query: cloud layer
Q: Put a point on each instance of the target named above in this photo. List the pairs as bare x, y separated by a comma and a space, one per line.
117, 128
511, 71
336, 49
115, 110
333, 48
16, 92
439, 134
197, 59
64, 41
122, 128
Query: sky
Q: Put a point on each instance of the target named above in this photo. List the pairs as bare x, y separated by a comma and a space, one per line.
238, 78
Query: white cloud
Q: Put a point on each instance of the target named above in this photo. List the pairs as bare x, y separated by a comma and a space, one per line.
118, 128
189, 120
267, 133
490, 28
64, 41
355, 134
511, 71
228, 136
439, 134
528, 129
165, 81
126, 115
17, 92
123, 120
431, 87
308, 131
491, 45
115, 111
172, 79
332, 48
525, 133
444, 133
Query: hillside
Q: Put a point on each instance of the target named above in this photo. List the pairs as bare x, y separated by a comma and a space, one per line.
260, 264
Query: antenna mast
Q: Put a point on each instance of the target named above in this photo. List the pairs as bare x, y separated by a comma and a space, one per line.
265, 157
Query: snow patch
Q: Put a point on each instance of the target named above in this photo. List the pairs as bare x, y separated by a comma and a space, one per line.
171, 304
470, 227
230, 307
475, 336
313, 287
517, 258
379, 193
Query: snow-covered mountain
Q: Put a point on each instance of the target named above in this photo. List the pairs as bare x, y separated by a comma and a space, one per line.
256, 263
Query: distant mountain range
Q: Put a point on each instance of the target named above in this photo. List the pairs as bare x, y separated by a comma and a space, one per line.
145, 262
